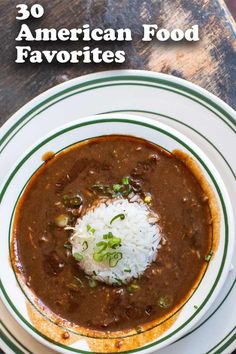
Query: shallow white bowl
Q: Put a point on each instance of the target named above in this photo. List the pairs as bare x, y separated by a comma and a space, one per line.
94, 126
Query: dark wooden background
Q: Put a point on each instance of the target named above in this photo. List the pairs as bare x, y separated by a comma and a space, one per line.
211, 62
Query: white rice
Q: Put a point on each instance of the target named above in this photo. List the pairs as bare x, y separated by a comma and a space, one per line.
138, 231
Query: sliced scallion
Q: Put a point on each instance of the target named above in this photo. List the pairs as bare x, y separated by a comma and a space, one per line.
108, 235
85, 245
208, 257
118, 216
92, 283
133, 287
119, 281
125, 180
114, 242
102, 246
165, 301
116, 257
97, 257
79, 281
78, 256
117, 187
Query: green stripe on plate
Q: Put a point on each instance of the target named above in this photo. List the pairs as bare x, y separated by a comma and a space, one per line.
202, 163
163, 84
159, 114
228, 339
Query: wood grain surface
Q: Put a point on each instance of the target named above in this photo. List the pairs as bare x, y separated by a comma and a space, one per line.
210, 63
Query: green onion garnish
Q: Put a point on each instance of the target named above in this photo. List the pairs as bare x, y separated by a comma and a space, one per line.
90, 229
165, 301
80, 281
92, 283
117, 187
133, 287
85, 245
127, 270
72, 286
119, 281
78, 256
102, 245
138, 329
109, 235
102, 251
208, 257
118, 216
116, 257
125, 180
115, 190
97, 257
114, 242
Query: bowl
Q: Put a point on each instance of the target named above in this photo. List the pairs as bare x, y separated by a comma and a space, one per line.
22, 303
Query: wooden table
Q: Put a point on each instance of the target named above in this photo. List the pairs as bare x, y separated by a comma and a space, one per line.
210, 63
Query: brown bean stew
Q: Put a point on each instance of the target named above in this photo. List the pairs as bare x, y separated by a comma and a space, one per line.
71, 182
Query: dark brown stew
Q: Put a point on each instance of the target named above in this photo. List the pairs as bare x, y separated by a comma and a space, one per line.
72, 181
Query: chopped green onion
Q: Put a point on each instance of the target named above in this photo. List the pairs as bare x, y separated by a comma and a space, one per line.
114, 242
127, 270
117, 256
90, 229
139, 329
72, 201
125, 180
102, 245
118, 216
119, 281
75, 201
133, 287
109, 235
128, 190
92, 283
85, 245
208, 257
98, 257
110, 242
79, 281
78, 256
103, 189
165, 302
117, 187
195, 306
72, 286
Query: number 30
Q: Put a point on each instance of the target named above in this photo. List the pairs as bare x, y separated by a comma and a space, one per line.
35, 11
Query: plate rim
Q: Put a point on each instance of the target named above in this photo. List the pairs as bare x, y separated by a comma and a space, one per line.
195, 151
113, 74
120, 75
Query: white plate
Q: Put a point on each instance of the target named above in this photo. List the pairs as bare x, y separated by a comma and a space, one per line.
87, 128
199, 115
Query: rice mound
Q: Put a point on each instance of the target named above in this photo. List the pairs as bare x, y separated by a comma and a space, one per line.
138, 231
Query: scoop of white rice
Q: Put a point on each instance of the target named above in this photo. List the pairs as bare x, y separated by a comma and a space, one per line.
138, 231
